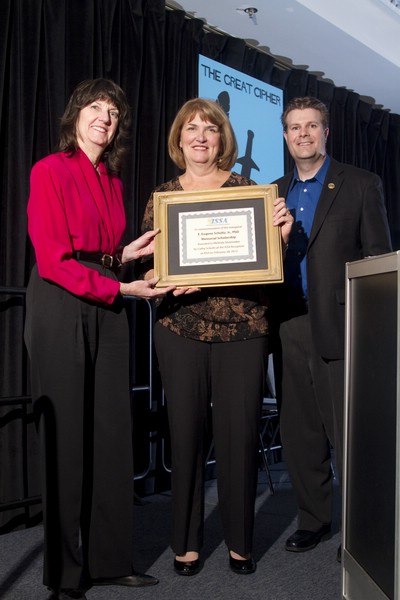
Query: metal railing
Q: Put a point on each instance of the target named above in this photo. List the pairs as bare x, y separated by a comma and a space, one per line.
23, 400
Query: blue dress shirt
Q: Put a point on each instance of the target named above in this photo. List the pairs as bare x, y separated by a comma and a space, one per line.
302, 200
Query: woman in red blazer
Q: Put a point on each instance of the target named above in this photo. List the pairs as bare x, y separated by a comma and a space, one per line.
77, 337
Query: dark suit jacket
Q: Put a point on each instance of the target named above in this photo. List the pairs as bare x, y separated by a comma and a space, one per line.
350, 223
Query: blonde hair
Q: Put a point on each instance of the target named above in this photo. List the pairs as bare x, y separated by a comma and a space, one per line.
210, 111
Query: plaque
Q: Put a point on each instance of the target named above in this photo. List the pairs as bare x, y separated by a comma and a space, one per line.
217, 237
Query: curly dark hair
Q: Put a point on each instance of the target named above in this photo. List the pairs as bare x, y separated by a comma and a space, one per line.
86, 92
301, 104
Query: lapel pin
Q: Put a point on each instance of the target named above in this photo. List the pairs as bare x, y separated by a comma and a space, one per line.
331, 186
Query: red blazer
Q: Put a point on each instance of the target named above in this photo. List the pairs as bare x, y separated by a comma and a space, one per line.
72, 208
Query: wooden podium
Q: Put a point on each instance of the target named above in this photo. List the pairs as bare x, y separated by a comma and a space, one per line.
370, 552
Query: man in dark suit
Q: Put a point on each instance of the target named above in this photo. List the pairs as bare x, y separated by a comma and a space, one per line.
339, 216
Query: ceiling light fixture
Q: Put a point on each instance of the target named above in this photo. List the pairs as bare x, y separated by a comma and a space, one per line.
250, 12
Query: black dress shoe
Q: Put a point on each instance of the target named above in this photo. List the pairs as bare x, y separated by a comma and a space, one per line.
339, 554
68, 594
189, 567
134, 580
242, 567
303, 540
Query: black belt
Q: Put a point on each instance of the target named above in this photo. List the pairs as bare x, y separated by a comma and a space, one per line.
105, 260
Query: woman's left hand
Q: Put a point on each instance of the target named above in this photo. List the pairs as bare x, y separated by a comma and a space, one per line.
142, 246
283, 218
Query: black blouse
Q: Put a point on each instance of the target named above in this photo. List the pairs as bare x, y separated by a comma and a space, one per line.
220, 314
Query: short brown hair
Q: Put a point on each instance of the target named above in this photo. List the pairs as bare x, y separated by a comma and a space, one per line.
301, 104
86, 92
208, 110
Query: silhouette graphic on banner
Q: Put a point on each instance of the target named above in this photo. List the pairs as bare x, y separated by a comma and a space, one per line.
246, 161
254, 109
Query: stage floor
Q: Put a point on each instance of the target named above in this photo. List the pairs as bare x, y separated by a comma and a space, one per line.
280, 575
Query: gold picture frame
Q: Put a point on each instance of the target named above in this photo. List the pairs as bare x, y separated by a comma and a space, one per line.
217, 237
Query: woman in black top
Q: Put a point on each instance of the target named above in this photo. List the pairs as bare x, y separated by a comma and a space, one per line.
212, 347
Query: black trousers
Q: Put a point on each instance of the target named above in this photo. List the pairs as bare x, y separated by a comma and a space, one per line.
229, 376
311, 421
79, 355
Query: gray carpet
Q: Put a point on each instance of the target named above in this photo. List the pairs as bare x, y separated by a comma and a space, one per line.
280, 575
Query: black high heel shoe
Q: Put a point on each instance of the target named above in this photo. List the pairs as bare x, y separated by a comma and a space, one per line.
242, 566
189, 567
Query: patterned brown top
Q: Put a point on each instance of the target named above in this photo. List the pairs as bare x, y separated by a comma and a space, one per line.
220, 314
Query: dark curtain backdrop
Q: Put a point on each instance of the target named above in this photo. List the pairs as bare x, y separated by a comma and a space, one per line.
46, 48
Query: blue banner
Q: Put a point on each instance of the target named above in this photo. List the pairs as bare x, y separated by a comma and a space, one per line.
254, 109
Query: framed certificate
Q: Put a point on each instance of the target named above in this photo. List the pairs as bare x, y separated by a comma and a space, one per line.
217, 237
